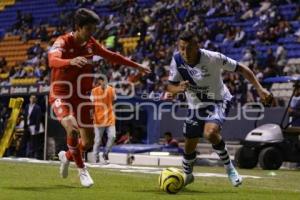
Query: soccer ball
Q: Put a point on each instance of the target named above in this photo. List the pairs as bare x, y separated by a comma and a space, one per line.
171, 180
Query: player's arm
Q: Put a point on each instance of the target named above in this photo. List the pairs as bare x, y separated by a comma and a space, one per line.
229, 64
175, 88
117, 58
176, 84
249, 75
56, 60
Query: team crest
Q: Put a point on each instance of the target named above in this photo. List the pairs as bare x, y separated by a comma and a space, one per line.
195, 72
57, 103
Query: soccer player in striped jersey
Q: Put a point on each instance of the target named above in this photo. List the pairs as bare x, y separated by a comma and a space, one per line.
198, 73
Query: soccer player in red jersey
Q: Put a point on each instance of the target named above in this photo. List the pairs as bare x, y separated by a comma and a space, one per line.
71, 82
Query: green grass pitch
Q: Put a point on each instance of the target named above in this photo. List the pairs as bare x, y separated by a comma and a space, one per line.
27, 181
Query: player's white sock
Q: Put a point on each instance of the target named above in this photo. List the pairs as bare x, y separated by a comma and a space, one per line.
187, 165
188, 162
222, 152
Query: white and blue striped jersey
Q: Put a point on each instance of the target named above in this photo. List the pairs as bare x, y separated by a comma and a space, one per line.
205, 78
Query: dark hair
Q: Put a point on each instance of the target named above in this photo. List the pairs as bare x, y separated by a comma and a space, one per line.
188, 36
168, 134
101, 78
85, 16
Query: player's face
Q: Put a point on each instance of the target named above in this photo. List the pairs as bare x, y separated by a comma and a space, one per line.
188, 51
87, 31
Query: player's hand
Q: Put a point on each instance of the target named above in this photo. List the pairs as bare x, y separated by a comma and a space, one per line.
144, 69
266, 96
183, 85
79, 61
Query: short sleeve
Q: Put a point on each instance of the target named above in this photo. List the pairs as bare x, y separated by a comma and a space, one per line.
225, 62
58, 46
174, 75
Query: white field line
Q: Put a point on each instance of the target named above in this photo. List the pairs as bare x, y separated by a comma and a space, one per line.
124, 168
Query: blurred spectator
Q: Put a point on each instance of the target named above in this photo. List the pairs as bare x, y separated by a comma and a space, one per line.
294, 109
249, 57
264, 6
43, 34
124, 139
280, 56
169, 140
239, 37
35, 50
3, 62
4, 114
14, 148
229, 35
157, 93
283, 28
17, 71
59, 30
296, 17
125, 90
248, 12
270, 65
297, 34
158, 27
32, 140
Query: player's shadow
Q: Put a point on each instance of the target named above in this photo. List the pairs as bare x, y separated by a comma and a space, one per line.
189, 191
185, 191
41, 188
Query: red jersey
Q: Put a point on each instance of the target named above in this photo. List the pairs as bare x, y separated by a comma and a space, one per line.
62, 52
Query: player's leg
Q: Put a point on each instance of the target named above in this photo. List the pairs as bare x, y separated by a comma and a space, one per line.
192, 130
212, 134
111, 136
97, 142
64, 113
86, 139
86, 142
189, 158
70, 124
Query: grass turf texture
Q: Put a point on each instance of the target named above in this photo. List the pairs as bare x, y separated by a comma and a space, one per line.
25, 181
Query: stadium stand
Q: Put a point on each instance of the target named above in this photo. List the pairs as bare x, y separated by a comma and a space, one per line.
271, 24
264, 35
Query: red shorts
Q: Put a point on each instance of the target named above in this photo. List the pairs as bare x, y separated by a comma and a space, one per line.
81, 109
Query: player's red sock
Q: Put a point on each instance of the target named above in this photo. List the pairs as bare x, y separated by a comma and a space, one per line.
69, 155
82, 148
74, 151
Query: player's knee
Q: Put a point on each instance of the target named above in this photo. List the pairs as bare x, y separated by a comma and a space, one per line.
212, 135
112, 137
86, 145
72, 131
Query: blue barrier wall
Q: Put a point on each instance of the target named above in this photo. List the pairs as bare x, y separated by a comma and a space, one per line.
158, 121
232, 129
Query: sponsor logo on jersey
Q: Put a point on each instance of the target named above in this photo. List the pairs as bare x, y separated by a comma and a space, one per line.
195, 72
